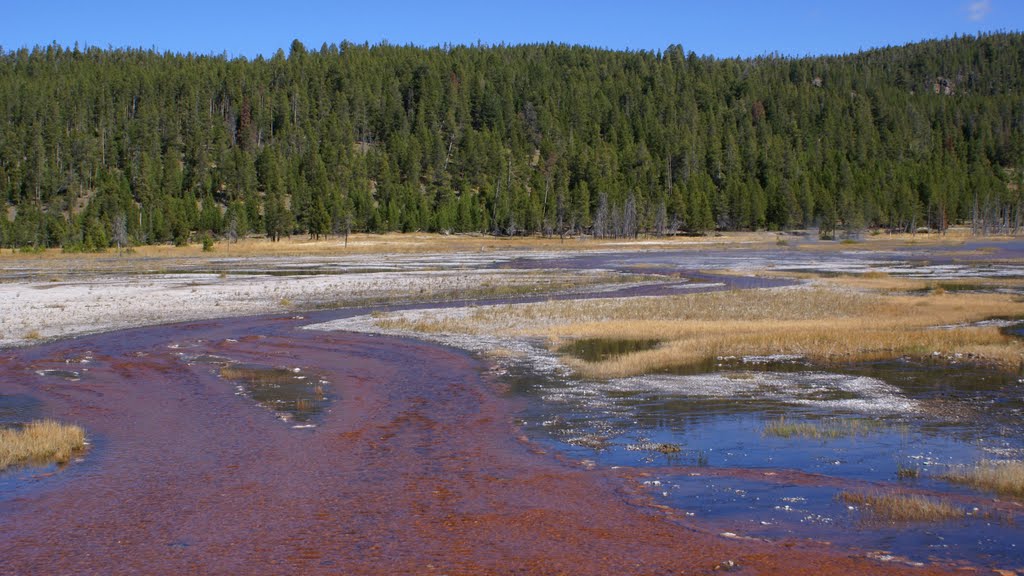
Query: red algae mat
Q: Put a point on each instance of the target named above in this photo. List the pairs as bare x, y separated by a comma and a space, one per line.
415, 468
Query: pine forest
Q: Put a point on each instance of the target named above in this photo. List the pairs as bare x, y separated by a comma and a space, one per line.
115, 147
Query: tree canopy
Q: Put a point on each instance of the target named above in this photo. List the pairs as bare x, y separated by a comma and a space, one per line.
99, 146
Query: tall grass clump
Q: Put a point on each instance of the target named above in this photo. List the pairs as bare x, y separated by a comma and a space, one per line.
906, 470
39, 442
1002, 477
826, 430
902, 507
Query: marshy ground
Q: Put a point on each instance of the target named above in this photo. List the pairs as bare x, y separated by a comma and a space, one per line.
634, 407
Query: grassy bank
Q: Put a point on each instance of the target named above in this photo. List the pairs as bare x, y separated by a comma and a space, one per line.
826, 325
421, 242
40, 442
408, 243
1003, 478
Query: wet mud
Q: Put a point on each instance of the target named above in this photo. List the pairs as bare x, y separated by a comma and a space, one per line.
415, 469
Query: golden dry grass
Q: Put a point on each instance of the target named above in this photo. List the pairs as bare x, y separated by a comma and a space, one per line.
409, 243
825, 325
40, 442
882, 282
1002, 477
418, 242
257, 375
897, 507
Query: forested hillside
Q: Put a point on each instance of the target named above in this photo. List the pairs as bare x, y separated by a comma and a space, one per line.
99, 147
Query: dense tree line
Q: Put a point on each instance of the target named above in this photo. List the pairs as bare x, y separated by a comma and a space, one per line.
110, 147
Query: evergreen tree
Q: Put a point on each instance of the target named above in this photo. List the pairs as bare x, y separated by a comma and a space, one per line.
540, 138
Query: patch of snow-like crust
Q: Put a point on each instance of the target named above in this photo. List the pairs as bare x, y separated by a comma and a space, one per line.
839, 392
36, 306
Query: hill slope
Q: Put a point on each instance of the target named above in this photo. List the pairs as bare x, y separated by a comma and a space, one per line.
100, 146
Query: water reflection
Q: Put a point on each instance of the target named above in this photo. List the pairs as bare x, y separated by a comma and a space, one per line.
293, 395
598, 349
728, 466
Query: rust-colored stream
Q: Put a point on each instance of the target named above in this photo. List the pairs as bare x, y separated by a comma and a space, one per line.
416, 468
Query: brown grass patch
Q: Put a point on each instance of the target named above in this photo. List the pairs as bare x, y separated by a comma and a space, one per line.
874, 281
413, 243
40, 442
882, 282
1002, 477
424, 242
825, 430
897, 507
267, 376
824, 325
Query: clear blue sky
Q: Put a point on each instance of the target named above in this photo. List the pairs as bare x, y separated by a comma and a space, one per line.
719, 27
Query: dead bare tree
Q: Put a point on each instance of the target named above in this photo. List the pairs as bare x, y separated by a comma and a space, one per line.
120, 232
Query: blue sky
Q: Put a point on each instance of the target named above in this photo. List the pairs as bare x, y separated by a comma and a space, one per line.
722, 28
